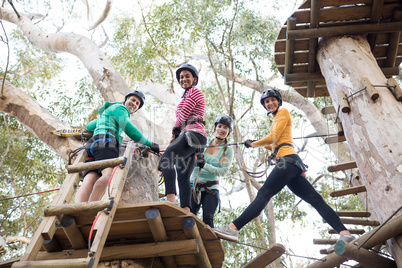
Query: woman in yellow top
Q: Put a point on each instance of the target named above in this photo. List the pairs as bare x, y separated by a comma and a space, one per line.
289, 171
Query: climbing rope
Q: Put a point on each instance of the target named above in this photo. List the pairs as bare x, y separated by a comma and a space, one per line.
110, 180
257, 174
25, 195
92, 229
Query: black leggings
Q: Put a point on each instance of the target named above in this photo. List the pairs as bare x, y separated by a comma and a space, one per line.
179, 159
288, 174
209, 202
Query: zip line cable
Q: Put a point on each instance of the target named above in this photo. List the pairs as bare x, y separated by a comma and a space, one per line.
25, 195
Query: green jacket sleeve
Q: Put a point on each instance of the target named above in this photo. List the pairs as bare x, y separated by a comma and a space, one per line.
91, 125
221, 171
128, 127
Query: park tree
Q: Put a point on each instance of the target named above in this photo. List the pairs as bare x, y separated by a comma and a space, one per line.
229, 42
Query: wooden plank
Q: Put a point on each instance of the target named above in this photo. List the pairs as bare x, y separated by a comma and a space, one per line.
96, 164
76, 263
364, 257
266, 257
352, 231
353, 213
335, 3
342, 166
136, 251
301, 45
303, 77
76, 209
349, 190
364, 222
344, 30
323, 241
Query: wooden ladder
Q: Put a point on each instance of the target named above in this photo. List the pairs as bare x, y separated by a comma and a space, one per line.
62, 214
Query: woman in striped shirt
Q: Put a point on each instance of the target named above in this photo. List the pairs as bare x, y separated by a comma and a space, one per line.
188, 138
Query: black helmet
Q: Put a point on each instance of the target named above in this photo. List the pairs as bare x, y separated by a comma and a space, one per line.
226, 120
190, 68
138, 94
272, 92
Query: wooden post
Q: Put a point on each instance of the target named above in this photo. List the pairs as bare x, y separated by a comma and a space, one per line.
72, 232
372, 92
51, 245
347, 191
159, 233
266, 257
96, 164
290, 44
363, 256
342, 166
74, 209
191, 231
395, 88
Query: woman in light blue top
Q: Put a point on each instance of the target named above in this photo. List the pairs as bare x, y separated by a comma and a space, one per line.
215, 163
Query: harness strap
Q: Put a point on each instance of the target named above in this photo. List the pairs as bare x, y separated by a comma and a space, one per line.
192, 120
273, 155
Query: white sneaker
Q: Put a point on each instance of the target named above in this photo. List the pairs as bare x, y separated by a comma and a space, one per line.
346, 238
227, 233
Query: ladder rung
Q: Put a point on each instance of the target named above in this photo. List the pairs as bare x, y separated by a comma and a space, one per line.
334, 139
353, 213
347, 191
342, 166
323, 241
328, 110
352, 231
96, 164
364, 222
266, 257
74, 263
78, 208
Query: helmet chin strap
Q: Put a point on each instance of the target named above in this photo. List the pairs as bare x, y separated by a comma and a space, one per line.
220, 138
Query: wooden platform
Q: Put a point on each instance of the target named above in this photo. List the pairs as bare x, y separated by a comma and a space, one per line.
297, 42
130, 237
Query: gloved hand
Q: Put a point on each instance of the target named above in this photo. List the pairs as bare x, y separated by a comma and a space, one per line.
200, 160
176, 131
155, 147
248, 143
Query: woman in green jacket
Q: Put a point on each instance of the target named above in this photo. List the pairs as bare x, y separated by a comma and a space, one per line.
114, 119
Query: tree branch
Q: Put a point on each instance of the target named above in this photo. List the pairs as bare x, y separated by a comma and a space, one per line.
104, 15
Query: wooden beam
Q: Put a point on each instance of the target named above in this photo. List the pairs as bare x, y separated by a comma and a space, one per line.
266, 257
343, 102
303, 77
395, 88
75, 263
372, 92
313, 42
377, 236
135, 251
364, 222
353, 214
376, 10
51, 245
159, 234
392, 51
96, 164
328, 110
342, 166
191, 231
72, 232
323, 241
352, 29
334, 139
290, 47
364, 257
75, 209
390, 71
349, 190
352, 231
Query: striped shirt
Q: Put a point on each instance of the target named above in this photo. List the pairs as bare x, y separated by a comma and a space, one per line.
192, 105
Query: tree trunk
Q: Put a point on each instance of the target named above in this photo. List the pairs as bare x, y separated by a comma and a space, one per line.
372, 129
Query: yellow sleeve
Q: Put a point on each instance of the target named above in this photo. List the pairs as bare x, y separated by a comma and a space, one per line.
278, 126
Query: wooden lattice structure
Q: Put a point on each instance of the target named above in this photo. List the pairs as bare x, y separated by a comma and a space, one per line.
297, 42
